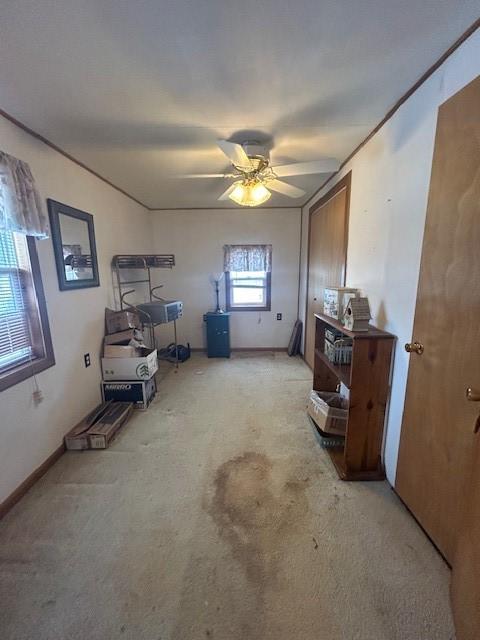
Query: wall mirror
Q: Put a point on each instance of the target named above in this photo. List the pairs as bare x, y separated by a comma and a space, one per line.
73, 237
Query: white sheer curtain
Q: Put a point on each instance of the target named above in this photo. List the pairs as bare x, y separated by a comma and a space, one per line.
248, 257
21, 208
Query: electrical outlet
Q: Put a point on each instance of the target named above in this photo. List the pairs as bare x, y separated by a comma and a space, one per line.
86, 359
279, 316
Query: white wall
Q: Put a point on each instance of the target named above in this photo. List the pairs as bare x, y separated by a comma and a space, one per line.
28, 433
390, 179
196, 237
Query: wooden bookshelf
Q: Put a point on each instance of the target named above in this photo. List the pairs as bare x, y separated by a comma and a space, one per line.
367, 378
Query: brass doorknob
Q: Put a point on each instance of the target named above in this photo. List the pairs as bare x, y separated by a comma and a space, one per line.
472, 394
414, 347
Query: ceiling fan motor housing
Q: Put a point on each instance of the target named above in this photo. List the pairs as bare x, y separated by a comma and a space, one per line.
256, 152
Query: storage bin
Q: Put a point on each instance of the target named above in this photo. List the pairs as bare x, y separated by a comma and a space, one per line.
330, 419
335, 300
340, 351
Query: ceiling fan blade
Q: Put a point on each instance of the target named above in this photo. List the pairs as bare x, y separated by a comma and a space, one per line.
286, 189
205, 175
226, 193
235, 153
327, 165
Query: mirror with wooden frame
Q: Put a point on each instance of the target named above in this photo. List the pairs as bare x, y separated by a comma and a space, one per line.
73, 237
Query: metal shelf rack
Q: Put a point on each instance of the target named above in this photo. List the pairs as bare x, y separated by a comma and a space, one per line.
144, 262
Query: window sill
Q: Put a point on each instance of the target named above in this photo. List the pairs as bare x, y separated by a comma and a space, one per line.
24, 371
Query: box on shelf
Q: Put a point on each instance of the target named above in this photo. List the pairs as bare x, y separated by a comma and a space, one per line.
124, 337
102, 424
340, 351
139, 393
329, 411
142, 367
335, 300
116, 321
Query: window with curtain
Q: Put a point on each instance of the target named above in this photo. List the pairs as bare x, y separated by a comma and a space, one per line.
248, 277
15, 334
25, 343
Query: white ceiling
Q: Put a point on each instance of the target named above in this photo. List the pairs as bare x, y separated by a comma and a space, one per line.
139, 90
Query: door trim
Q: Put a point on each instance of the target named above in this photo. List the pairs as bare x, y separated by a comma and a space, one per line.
344, 183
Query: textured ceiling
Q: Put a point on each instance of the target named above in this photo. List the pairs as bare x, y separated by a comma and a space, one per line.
139, 91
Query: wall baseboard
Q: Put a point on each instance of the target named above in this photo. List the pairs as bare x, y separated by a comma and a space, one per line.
27, 484
277, 349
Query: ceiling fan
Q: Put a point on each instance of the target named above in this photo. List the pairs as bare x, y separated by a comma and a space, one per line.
254, 176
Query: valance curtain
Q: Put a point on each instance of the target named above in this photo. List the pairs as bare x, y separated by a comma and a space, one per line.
248, 257
21, 209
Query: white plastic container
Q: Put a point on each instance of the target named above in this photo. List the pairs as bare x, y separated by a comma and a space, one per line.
335, 300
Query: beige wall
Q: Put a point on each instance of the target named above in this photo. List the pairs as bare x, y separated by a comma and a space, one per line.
196, 237
28, 433
390, 179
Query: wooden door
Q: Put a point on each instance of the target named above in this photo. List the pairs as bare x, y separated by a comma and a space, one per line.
465, 589
437, 439
327, 253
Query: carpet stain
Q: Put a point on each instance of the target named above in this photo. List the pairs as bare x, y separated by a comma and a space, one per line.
256, 507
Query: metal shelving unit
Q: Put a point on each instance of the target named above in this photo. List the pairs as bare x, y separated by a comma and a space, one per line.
144, 262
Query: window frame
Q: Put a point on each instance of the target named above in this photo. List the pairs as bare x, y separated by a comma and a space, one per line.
18, 373
268, 295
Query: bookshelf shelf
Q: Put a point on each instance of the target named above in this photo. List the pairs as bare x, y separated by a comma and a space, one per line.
367, 378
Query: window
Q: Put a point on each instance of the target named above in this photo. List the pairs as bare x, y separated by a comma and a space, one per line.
248, 290
25, 343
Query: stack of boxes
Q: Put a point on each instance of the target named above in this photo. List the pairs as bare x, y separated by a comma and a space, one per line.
128, 366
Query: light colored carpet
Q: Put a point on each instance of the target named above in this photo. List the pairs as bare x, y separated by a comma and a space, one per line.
216, 515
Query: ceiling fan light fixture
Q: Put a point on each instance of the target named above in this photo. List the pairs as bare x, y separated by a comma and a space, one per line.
250, 195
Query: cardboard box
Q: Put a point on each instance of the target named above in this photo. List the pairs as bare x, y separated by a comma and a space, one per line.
140, 394
77, 438
121, 351
99, 427
330, 420
139, 368
116, 321
335, 300
124, 337
102, 432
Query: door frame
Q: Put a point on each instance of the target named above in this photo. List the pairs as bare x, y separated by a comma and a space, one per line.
343, 183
